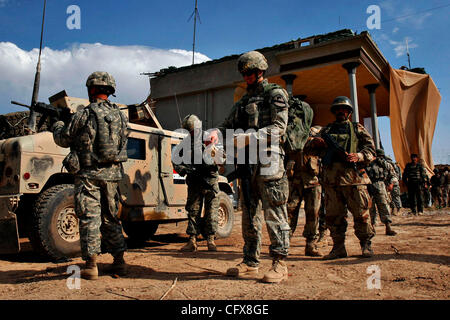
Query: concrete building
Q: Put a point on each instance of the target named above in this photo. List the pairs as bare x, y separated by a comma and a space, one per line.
319, 68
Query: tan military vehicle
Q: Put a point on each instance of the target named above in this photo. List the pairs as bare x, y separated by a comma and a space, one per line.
37, 193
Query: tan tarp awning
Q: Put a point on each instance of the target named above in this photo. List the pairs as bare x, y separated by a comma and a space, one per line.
414, 104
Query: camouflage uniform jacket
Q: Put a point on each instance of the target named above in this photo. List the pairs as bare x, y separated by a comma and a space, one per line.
437, 181
80, 131
197, 172
340, 173
381, 170
306, 170
265, 109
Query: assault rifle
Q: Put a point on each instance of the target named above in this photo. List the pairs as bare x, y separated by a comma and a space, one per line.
334, 151
48, 111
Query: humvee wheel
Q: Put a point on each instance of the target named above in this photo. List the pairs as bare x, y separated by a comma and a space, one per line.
139, 232
225, 217
55, 232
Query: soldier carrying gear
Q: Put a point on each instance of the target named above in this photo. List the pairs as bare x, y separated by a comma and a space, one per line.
345, 187
97, 139
437, 187
381, 173
396, 202
202, 180
264, 108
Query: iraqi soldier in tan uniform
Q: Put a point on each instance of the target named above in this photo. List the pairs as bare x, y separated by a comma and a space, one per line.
264, 108
347, 148
97, 139
202, 180
304, 185
383, 177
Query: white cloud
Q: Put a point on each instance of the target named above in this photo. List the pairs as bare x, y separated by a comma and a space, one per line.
69, 68
395, 30
400, 46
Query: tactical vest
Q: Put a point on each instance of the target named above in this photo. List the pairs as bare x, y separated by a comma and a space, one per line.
106, 141
377, 170
345, 134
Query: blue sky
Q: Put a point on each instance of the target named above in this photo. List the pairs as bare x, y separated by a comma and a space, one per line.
134, 36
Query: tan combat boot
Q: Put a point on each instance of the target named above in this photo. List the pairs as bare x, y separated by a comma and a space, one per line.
322, 240
118, 267
389, 231
191, 246
90, 272
242, 269
366, 248
338, 251
311, 249
211, 244
277, 273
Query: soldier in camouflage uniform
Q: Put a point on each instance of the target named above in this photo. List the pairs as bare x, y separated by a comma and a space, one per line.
344, 178
381, 173
265, 110
396, 202
202, 180
437, 187
415, 178
426, 193
97, 138
304, 185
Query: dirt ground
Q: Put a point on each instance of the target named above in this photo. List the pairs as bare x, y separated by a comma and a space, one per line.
415, 264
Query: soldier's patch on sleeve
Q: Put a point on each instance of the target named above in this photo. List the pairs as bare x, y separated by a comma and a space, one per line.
279, 102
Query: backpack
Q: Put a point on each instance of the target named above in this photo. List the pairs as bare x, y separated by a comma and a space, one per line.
300, 116
110, 144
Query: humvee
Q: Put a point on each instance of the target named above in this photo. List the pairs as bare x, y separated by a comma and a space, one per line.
37, 193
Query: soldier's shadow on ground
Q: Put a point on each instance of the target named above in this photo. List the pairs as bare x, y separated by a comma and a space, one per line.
418, 257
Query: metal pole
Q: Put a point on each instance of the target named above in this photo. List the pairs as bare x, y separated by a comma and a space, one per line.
195, 25
351, 69
373, 108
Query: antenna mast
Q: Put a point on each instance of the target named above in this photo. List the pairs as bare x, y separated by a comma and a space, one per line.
37, 80
195, 14
407, 53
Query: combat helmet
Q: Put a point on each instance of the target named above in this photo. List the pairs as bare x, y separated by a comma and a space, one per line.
252, 60
103, 79
191, 122
341, 101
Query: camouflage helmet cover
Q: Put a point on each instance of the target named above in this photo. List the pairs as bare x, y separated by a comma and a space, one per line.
252, 60
380, 152
341, 101
191, 122
101, 78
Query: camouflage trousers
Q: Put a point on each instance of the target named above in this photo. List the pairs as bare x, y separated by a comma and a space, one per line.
438, 196
199, 195
396, 201
272, 197
380, 203
354, 198
312, 198
415, 197
322, 220
426, 197
445, 195
97, 205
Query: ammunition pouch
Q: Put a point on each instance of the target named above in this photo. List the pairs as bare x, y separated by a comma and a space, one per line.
71, 162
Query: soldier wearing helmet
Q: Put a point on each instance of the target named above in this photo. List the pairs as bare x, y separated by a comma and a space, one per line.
396, 202
264, 110
344, 179
304, 185
383, 177
97, 139
202, 180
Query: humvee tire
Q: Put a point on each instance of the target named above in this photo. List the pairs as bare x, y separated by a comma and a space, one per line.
225, 217
55, 232
139, 232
